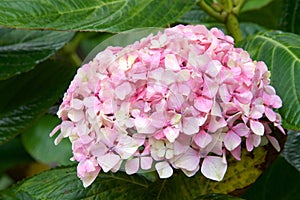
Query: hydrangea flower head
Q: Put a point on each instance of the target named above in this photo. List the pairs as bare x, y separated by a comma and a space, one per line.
181, 99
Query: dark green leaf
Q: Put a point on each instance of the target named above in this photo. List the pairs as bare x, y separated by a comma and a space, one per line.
27, 96
37, 142
217, 197
290, 19
92, 15
278, 14
22, 50
291, 151
281, 52
280, 181
255, 4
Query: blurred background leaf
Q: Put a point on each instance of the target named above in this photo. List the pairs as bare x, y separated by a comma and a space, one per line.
41, 147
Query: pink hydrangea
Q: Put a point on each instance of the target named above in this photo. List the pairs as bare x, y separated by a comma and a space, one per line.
181, 99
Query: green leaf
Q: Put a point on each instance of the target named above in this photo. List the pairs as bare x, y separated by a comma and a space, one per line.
290, 19
281, 52
29, 95
22, 50
92, 15
63, 183
255, 5
291, 151
41, 147
280, 181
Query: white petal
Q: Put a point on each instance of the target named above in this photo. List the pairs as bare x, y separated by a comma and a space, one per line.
126, 147
132, 166
89, 179
214, 168
257, 127
188, 161
191, 125
163, 169
232, 140
108, 161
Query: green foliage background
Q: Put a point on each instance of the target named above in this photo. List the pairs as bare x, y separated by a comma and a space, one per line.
43, 42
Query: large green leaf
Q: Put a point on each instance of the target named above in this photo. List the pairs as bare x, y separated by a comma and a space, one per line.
27, 96
280, 181
22, 50
291, 151
281, 52
92, 15
37, 142
63, 183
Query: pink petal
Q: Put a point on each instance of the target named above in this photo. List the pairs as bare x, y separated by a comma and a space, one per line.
108, 161
257, 127
158, 119
146, 163
232, 140
171, 133
163, 169
203, 104
216, 123
214, 168
202, 139
132, 166
191, 125
236, 153
171, 62
274, 142
189, 160
76, 104
271, 115
123, 90
241, 129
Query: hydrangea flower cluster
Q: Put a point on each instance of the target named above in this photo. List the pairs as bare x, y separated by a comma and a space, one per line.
181, 99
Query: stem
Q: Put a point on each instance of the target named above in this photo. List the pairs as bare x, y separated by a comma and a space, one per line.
69, 51
209, 10
232, 27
